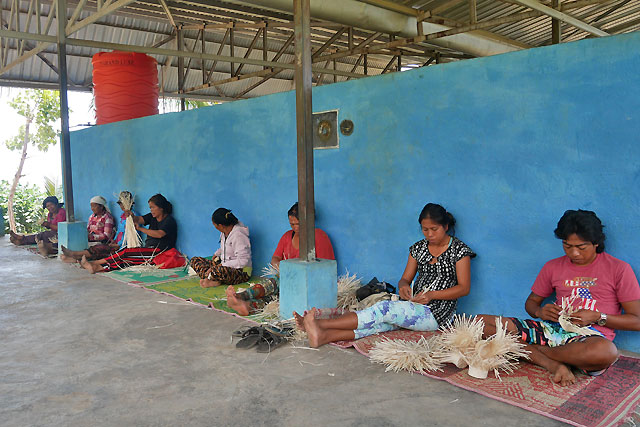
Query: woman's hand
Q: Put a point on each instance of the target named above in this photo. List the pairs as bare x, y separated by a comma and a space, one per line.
46, 224
405, 292
422, 298
128, 212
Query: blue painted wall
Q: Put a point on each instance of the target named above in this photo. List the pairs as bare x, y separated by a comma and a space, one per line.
506, 143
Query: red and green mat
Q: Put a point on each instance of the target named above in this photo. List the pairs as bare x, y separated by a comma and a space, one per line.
190, 290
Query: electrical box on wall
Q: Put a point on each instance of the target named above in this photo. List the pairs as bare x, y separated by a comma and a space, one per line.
325, 130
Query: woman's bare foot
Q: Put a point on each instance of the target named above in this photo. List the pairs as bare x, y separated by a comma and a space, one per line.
208, 283
68, 259
15, 238
66, 251
317, 336
239, 305
299, 320
87, 265
45, 248
562, 375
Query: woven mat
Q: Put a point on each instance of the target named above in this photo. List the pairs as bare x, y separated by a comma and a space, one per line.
147, 276
608, 400
190, 290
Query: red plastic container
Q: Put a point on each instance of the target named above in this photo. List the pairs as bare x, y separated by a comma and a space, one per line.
125, 86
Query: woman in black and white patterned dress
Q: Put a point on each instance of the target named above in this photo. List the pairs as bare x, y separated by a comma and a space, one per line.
442, 263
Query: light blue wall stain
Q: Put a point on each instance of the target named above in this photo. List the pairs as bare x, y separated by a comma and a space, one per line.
506, 143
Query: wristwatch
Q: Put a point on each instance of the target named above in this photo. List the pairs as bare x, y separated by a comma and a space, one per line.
603, 319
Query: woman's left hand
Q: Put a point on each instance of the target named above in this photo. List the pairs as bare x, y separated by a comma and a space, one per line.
422, 298
46, 224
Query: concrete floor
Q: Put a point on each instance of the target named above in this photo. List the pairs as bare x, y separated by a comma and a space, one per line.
81, 350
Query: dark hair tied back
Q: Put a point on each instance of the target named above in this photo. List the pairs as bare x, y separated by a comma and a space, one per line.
293, 211
224, 217
438, 214
585, 224
52, 199
160, 201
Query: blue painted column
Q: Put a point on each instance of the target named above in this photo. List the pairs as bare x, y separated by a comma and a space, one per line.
307, 284
73, 235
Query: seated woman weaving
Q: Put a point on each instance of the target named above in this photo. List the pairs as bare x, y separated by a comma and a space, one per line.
56, 213
161, 235
231, 263
259, 294
101, 232
289, 244
443, 266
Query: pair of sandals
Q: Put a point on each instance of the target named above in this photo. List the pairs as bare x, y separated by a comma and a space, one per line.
263, 339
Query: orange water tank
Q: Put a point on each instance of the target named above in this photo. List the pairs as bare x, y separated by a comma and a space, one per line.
125, 86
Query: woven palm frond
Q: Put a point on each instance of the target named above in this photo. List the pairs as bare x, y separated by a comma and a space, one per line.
131, 237
499, 352
459, 338
401, 355
565, 318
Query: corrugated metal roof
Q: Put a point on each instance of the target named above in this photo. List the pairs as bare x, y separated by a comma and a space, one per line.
145, 23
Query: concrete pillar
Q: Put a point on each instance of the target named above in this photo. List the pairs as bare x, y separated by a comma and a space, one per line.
73, 235
307, 284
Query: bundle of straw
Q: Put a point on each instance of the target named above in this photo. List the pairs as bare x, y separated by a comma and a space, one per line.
347, 287
499, 352
412, 356
460, 338
131, 238
270, 271
269, 313
566, 316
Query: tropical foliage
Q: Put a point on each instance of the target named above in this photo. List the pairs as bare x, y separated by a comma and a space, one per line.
27, 207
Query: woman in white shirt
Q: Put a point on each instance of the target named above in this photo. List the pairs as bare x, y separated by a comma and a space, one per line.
231, 263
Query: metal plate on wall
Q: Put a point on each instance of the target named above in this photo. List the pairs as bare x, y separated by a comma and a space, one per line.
325, 129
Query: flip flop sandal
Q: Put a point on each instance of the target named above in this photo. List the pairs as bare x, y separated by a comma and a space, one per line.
240, 332
269, 342
250, 337
280, 331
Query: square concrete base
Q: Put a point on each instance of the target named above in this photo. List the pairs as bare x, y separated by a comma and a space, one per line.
307, 284
73, 235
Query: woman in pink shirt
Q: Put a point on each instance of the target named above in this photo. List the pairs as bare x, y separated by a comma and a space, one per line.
55, 215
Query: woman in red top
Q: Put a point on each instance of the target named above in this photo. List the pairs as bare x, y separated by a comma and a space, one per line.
259, 294
289, 244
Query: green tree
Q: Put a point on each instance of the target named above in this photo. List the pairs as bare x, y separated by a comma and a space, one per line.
41, 110
27, 207
52, 188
